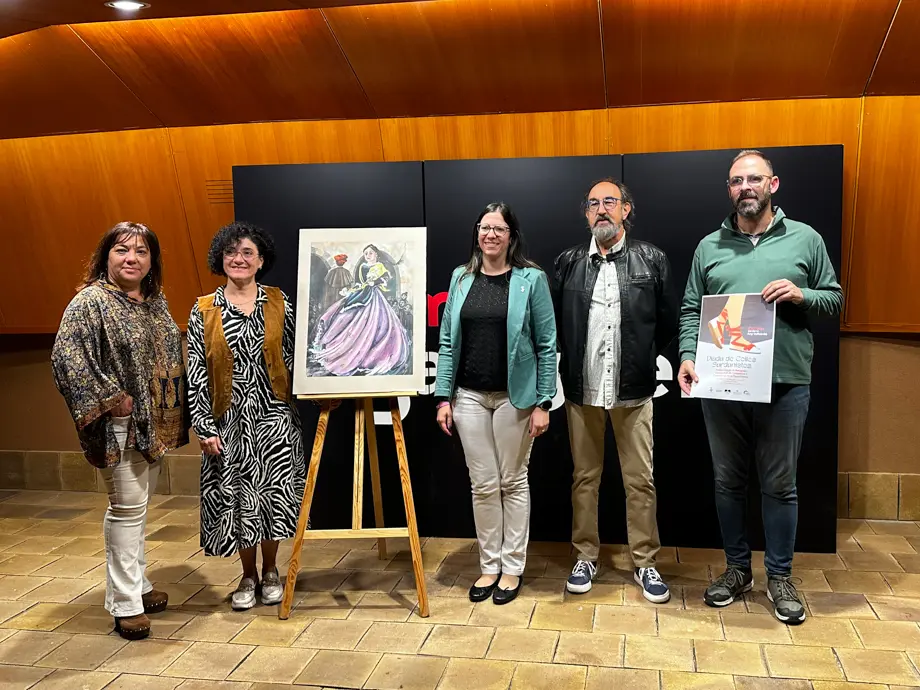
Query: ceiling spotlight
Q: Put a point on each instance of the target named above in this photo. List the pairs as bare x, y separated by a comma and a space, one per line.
127, 5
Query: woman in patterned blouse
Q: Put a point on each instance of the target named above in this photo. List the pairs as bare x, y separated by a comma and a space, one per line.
117, 360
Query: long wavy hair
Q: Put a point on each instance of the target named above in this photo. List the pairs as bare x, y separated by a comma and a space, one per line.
516, 256
98, 264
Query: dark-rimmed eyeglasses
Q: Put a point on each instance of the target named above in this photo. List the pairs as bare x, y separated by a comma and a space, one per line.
499, 230
610, 203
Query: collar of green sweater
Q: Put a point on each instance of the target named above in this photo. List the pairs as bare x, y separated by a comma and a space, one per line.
778, 218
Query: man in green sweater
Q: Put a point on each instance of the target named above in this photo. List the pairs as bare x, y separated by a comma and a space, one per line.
759, 250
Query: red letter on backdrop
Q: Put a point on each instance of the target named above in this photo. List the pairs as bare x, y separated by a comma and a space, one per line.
435, 301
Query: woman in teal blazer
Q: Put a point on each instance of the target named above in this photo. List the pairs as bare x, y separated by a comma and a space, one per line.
496, 380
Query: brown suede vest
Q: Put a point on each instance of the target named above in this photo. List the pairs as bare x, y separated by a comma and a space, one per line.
219, 358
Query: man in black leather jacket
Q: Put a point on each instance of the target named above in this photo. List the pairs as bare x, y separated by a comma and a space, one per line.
615, 312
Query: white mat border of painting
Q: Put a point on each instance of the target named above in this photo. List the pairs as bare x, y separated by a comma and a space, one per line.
306, 385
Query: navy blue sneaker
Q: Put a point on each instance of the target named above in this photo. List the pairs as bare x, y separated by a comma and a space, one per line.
653, 587
583, 573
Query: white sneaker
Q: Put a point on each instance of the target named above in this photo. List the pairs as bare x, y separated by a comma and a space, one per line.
272, 590
245, 595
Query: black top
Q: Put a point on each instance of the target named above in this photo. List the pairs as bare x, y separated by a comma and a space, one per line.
484, 334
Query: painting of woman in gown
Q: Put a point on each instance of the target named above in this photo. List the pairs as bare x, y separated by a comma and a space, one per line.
361, 334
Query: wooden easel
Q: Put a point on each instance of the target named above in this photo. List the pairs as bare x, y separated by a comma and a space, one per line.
364, 423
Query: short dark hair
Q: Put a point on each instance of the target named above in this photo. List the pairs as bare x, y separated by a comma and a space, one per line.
98, 264
752, 152
230, 236
516, 254
626, 197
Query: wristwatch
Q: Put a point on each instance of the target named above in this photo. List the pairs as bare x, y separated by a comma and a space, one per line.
546, 404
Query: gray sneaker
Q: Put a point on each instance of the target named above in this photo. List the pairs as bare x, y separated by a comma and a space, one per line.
787, 605
245, 595
272, 590
728, 586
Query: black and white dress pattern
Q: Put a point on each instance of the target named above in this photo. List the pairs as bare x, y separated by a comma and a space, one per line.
252, 491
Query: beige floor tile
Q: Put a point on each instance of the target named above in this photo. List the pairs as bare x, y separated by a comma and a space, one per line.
70, 566
343, 635
18, 586
145, 657
220, 573
846, 543
396, 672
4, 633
163, 625
625, 620
272, 665
375, 606
839, 605
26, 647
516, 614
127, 681
891, 635
566, 616
171, 571
657, 653
818, 561
463, 641
172, 551
319, 580
632, 596
517, 644
529, 676
589, 649
25, 565
874, 666
444, 610
903, 584
826, 632
322, 558
44, 617
746, 627
482, 674
208, 661
338, 668
679, 680
843, 685
437, 584
700, 625
807, 663
82, 652
58, 591
870, 561
327, 604
909, 562
621, 679
273, 632
34, 546
193, 684
601, 593
811, 580
741, 658
393, 638
365, 560
705, 556
449, 544
903, 528
851, 582
895, 608
370, 581
22, 677
94, 620
461, 563
65, 679
212, 627
84, 529
884, 543
207, 597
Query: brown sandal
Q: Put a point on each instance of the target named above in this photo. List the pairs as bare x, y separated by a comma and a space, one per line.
133, 627
154, 601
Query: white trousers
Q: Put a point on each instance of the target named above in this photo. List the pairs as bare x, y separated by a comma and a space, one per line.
130, 484
497, 446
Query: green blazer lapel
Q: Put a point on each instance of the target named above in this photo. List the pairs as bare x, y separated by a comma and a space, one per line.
464, 283
518, 295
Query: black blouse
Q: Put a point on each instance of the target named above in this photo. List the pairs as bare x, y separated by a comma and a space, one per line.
483, 362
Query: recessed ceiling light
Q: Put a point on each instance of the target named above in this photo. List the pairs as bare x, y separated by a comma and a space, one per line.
127, 5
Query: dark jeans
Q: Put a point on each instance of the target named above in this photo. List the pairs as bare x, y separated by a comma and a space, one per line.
771, 436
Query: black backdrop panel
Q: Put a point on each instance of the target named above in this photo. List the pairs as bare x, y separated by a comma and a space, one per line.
681, 197
285, 198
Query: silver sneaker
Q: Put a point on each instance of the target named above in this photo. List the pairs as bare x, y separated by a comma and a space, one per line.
245, 595
272, 590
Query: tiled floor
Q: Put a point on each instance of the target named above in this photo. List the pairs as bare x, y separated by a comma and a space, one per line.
355, 624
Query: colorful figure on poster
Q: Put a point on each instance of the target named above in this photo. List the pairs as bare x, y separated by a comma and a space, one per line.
361, 333
337, 280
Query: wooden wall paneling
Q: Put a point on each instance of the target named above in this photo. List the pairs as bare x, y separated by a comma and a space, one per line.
571, 133
474, 56
662, 51
205, 157
750, 124
52, 83
9, 26
884, 279
898, 69
234, 68
59, 194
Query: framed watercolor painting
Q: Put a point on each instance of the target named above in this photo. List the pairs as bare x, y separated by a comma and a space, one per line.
360, 311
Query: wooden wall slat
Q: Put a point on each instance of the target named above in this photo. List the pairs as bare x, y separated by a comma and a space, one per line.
898, 68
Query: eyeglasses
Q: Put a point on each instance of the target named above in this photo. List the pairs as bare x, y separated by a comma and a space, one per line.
610, 203
752, 180
247, 253
499, 230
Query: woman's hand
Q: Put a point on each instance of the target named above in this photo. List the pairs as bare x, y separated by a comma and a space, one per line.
446, 418
539, 422
124, 408
211, 446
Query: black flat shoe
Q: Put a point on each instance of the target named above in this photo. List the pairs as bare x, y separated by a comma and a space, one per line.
503, 596
482, 593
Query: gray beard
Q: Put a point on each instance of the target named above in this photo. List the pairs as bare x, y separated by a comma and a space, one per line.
605, 233
752, 210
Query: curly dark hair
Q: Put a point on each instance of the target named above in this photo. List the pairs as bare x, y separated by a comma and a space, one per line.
230, 236
97, 266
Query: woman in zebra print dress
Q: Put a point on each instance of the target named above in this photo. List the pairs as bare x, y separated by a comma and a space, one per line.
241, 351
